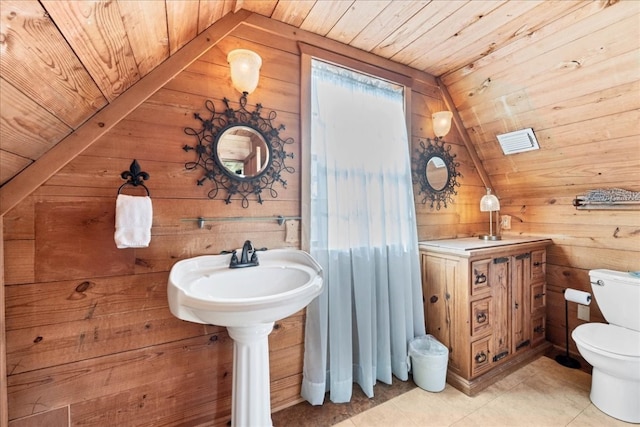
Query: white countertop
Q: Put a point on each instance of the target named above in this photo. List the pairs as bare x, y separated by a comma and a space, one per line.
474, 243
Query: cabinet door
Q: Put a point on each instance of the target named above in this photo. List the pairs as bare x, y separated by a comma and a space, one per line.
481, 317
538, 329
538, 265
520, 306
499, 281
538, 298
438, 281
480, 277
480, 356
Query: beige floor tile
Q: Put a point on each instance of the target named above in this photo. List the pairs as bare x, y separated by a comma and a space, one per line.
434, 409
384, 415
558, 388
552, 368
345, 423
540, 394
458, 400
529, 404
593, 417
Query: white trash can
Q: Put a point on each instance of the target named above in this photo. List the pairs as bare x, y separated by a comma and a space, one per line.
428, 358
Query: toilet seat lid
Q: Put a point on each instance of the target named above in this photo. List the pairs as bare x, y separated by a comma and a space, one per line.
610, 338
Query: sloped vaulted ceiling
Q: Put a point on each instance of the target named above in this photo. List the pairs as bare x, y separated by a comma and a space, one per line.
64, 61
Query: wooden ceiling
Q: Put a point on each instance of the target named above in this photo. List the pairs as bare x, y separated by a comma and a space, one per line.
62, 61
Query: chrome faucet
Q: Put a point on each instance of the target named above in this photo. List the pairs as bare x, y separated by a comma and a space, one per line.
248, 258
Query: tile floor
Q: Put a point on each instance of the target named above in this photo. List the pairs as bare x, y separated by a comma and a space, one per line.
542, 393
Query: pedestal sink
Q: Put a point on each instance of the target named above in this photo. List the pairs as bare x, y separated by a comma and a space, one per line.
247, 301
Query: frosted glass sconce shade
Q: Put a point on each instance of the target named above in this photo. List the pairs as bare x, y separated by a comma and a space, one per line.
490, 203
245, 69
441, 123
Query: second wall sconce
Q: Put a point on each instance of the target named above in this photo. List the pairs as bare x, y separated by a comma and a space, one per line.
245, 69
441, 123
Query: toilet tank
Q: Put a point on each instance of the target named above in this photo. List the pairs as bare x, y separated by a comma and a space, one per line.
618, 296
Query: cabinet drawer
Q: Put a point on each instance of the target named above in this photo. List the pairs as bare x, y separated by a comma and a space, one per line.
480, 357
480, 277
538, 265
538, 329
538, 297
481, 314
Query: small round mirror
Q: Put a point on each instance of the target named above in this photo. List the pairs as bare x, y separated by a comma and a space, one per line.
242, 152
437, 173
434, 171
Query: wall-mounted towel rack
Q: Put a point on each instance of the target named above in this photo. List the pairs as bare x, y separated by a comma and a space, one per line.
280, 219
135, 177
614, 198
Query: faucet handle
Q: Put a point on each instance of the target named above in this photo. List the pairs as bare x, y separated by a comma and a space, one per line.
234, 258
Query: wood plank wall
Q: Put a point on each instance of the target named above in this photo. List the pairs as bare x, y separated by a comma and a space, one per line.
576, 83
89, 335
90, 339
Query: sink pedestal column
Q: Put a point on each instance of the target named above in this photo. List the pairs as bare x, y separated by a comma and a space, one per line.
251, 398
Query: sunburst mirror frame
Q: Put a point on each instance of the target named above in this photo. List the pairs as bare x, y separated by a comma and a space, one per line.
206, 148
429, 149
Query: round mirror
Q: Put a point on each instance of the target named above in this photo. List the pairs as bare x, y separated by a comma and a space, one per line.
242, 152
437, 173
434, 171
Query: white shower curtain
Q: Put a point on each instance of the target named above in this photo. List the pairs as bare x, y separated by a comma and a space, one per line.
363, 233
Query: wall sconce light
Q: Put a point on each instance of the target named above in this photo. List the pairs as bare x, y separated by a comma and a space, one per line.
490, 203
245, 69
441, 123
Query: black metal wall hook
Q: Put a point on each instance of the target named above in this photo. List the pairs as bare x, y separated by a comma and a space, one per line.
135, 177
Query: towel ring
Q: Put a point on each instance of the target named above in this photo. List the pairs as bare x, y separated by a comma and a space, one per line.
135, 177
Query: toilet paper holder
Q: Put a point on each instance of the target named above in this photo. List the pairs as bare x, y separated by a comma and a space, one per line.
578, 297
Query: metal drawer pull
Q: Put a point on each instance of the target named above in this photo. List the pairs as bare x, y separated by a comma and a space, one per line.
536, 296
481, 317
537, 264
480, 278
538, 329
481, 357
522, 344
500, 356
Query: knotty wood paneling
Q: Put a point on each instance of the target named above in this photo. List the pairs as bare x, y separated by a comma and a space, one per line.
575, 82
70, 92
22, 131
106, 55
4, 409
88, 325
561, 68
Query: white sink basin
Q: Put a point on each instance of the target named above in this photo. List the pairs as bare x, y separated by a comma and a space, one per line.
205, 290
247, 301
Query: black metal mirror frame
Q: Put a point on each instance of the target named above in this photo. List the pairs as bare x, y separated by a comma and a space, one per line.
427, 150
206, 148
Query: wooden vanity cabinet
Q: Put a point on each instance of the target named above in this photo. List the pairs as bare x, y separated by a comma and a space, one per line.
486, 302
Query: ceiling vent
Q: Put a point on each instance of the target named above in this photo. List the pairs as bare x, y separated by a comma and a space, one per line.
518, 141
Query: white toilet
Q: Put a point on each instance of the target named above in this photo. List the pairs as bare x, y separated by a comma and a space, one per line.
613, 349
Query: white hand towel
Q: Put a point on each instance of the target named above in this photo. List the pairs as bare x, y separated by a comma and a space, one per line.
134, 215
